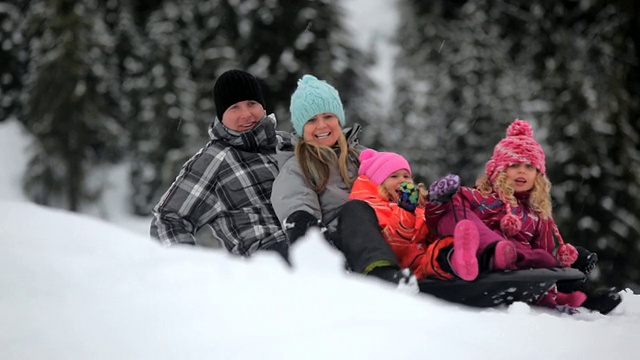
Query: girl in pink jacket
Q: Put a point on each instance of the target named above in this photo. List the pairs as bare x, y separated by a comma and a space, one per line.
511, 201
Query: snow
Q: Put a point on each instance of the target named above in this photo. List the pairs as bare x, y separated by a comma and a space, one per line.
94, 286
73, 286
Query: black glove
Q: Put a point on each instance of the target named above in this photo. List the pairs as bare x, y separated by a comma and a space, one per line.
297, 224
602, 299
408, 196
586, 260
442, 190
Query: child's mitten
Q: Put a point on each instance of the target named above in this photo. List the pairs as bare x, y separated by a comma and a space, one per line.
408, 196
442, 190
566, 254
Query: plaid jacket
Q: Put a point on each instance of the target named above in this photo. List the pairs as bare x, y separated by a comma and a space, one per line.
227, 186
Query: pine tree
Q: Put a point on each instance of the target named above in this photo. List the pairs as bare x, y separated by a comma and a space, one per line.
457, 87
70, 102
165, 93
282, 40
277, 41
13, 58
586, 55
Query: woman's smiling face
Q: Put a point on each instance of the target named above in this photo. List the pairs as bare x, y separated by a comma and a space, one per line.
322, 129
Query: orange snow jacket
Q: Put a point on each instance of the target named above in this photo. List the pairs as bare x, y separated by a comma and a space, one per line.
404, 231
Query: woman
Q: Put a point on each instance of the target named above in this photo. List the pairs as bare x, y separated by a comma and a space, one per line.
315, 179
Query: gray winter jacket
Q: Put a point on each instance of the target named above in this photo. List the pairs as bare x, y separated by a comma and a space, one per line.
291, 192
227, 186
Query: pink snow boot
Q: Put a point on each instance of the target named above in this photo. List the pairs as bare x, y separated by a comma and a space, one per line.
504, 257
574, 299
464, 261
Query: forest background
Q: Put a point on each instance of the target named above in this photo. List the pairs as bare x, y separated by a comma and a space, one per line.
104, 83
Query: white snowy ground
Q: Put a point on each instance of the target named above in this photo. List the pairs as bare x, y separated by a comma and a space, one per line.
74, 286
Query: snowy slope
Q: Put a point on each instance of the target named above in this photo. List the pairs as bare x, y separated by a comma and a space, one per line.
73, 287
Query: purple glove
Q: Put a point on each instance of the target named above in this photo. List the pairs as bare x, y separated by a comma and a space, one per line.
442, 190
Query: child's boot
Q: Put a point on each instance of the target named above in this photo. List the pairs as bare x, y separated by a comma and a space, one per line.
548, 299
463, 259
504, 257
574, 299
562, 302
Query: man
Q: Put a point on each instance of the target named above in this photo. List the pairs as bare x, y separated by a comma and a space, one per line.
227, 184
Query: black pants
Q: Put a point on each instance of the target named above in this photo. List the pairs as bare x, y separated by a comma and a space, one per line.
359, 237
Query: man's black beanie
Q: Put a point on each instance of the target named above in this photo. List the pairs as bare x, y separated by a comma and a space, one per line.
234, 86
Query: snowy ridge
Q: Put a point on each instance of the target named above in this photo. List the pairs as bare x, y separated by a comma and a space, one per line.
74, 287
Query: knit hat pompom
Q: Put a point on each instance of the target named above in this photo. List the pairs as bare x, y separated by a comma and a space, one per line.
234, 86
367, 154
313, 97
520, 128
377, 166
510, 225
518, 147
566, 254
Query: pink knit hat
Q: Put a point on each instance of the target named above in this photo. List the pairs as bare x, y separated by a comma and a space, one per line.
377, 166
518, 147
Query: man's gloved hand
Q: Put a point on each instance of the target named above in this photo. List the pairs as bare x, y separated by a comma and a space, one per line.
442, 190
586, 260
408, 196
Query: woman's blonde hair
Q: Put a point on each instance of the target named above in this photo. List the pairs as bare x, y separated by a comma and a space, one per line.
422, 193
316, 162
539, 200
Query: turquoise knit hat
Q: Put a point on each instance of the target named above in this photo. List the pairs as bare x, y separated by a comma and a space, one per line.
313, 97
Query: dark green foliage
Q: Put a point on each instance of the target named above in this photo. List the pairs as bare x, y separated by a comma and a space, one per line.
586, 55
278, 41
150, 101
13, 58
70, 103
457, 86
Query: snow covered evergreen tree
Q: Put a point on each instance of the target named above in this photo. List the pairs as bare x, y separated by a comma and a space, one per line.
13, 58
70, 105
282, 40
457, 87
278, 41
162, 95
585, 56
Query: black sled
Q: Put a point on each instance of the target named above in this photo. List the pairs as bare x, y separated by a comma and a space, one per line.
499, 288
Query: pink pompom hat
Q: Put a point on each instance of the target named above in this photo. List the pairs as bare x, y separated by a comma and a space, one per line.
519, 147
378, 165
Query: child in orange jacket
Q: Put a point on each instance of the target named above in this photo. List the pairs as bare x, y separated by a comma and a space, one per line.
385, 183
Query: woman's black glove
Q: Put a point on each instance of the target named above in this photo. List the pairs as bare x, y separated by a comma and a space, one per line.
297, 224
